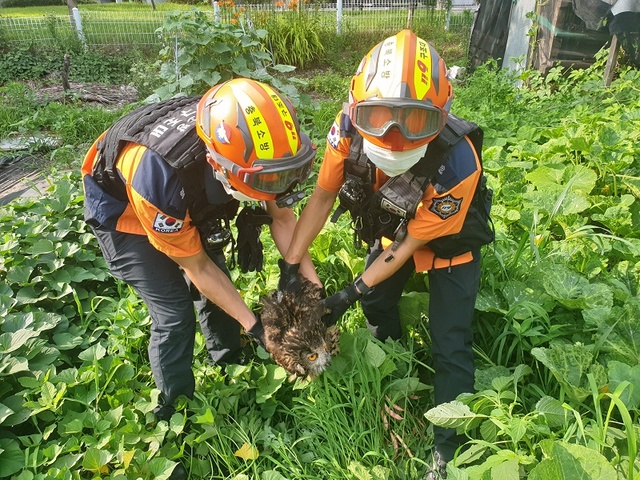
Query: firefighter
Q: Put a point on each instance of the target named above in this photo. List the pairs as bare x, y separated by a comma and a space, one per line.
161, 187
410, 175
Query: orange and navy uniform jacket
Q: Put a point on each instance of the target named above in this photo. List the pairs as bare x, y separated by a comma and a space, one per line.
444, 204
155, 204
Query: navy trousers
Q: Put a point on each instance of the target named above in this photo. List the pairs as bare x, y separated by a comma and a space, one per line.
172, 301
452, 298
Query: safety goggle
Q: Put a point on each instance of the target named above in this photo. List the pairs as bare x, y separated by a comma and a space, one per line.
414, 118
273, 175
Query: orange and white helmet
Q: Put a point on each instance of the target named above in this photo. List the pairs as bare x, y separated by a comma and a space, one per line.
400, 95
253, 138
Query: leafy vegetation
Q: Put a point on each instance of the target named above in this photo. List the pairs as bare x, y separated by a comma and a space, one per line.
557, 338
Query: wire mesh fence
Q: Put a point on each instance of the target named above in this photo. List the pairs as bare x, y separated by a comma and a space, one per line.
126, 28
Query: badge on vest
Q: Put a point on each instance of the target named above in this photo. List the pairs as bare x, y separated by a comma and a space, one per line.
445, 207
166, 224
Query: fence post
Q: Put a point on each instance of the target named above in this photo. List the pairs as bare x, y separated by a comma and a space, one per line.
78, 21
216, 11
338, 17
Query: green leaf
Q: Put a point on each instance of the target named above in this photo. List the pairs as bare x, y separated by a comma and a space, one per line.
93, 353
19, 274
11, 457
411, 308
620, 372
570, 365
5, 412
452, 415
374, 355
96, 460
42, 246
10, 342
270, 383
566, 461
283, 68
553, 411
272, 475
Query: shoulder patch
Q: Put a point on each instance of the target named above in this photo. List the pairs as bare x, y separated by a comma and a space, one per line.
333, 137
166, 224
446, 206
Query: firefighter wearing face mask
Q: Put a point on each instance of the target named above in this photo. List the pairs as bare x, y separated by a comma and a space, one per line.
162, 186
409, 173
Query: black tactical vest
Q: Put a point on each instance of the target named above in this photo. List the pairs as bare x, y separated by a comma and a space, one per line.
168, 128
386, 212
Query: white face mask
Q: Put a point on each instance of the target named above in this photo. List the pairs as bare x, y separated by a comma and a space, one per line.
230, 190
392, 163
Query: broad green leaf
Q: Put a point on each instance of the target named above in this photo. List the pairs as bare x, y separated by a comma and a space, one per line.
67, 341
93, 353
451, 415
28, 295
620, 372
412, 306
566, 461
19, 274
509, 470
12, 341
272, 475
160, 468
499, 466
570, 365
206, 418
359, 471
186, 81
406, 386
484, 376
270, 383
11, 457
5, 412
553, 411
374, 355
42, 246
283, 68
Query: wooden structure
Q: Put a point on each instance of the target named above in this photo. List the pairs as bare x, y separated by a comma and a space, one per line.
563, 38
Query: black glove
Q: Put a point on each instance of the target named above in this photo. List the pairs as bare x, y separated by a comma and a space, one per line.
339, 303
257, 332
249, 223
289, 280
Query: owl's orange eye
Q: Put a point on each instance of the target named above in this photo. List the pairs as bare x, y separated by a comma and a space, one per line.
313, 357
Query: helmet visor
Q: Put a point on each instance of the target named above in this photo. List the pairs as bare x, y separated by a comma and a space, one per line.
273, 175
415, 119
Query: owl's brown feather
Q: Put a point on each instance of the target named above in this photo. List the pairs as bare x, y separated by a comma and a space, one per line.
295, 334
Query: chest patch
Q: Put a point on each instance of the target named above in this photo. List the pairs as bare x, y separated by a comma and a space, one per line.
166, 224
445, 207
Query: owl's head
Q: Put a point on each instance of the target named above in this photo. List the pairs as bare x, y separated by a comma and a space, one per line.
308, 348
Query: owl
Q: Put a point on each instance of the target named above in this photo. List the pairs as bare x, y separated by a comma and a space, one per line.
295, 335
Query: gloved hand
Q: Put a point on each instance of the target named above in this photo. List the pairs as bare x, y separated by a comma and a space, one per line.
289, 280
257, 332
249, 223
339, 303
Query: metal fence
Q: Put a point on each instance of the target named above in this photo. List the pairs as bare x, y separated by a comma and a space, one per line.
127, 28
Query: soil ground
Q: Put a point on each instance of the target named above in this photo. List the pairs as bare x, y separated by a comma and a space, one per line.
20, 169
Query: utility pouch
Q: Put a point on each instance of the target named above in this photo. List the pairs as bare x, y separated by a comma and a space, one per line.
401, 195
